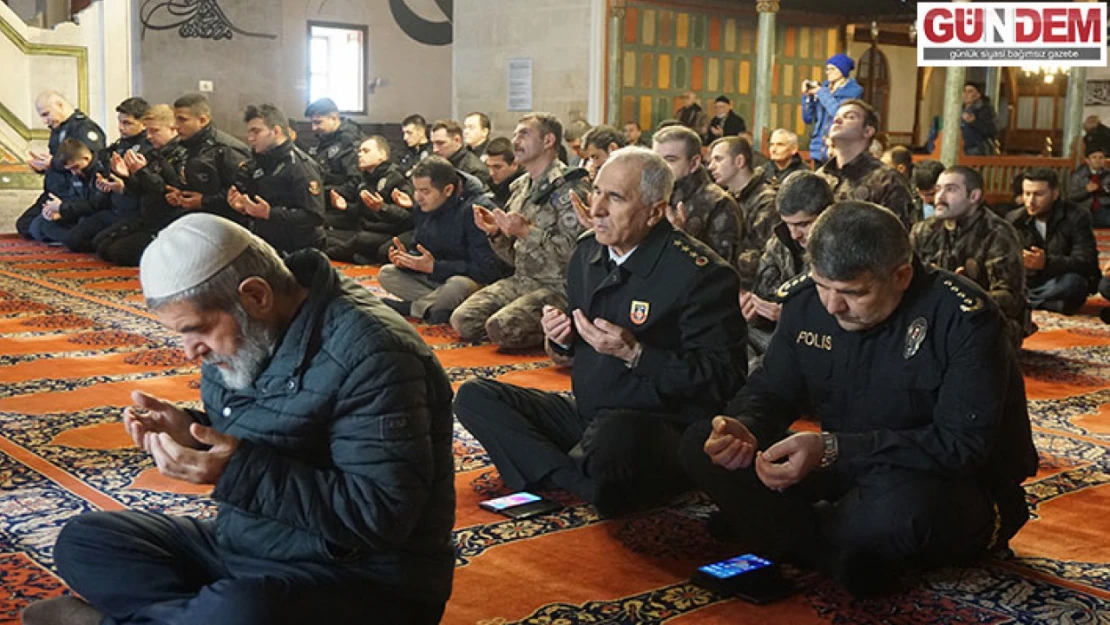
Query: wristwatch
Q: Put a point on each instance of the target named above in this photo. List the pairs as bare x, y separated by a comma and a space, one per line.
830, 449
635, 360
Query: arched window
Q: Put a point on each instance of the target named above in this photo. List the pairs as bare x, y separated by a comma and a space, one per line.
874, 76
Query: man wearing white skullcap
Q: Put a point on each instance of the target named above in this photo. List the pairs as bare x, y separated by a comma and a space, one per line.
326, 434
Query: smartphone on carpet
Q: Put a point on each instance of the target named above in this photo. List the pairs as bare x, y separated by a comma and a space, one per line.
749, 577
520, 505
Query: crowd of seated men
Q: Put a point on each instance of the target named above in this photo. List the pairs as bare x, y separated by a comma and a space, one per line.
703, 295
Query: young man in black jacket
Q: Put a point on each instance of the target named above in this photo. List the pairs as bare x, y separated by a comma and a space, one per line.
447, 141
336, 150
73, 221
449, 257
1060, 253
279, 190
149, 173
213, 159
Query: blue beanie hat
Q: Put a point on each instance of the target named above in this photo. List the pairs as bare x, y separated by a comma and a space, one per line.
842, 62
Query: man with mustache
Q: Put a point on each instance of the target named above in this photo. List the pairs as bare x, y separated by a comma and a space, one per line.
966, 237
535, 233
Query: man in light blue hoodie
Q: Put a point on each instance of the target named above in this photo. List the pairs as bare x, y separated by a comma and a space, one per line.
820, 101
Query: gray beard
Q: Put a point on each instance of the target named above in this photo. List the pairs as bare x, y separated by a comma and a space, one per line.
257, 345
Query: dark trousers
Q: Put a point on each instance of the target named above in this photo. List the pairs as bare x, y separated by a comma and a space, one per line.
139, 567
619, 461
886, 520
369, 246
124, 243
23, 222
1065, 293
77, 235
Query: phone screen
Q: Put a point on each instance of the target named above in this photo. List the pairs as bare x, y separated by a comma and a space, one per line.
732, 567
508, 501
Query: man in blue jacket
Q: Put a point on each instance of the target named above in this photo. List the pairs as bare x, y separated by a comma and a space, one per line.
451, 258
325, 431
821, 101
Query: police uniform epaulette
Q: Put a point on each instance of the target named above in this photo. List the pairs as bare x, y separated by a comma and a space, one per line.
700, 259
793, 286
969, 303
589, 234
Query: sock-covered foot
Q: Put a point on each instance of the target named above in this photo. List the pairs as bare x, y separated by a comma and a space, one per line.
68, 610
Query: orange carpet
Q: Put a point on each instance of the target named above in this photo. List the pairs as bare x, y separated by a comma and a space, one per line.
75, 340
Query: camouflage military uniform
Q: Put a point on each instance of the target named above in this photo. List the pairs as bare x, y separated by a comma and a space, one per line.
758, 218
867, 179
775, 176
509, 310
988, 249
712, 216
782, 260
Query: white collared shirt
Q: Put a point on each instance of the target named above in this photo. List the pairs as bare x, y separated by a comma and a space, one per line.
620, 259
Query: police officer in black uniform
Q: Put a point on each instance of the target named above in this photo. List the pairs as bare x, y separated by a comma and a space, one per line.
657, 342
280, 188
361, 230
111, 171
149, 173
926, 436
65, 122
336, 150
414, 130
213, 160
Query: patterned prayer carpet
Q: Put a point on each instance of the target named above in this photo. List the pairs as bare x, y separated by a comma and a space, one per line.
75, 340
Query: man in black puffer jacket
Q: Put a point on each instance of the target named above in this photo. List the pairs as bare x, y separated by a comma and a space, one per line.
326, 433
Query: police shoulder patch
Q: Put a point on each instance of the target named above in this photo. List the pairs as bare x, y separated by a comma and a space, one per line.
793, 286
314, 187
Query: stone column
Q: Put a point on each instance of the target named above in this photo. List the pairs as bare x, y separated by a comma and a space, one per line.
993, 88
953, 108
1073, 110
616, 63
765, 53
954, 78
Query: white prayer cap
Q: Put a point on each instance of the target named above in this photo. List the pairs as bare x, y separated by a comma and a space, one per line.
189, 251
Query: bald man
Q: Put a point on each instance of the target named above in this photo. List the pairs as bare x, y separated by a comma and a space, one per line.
64, 122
